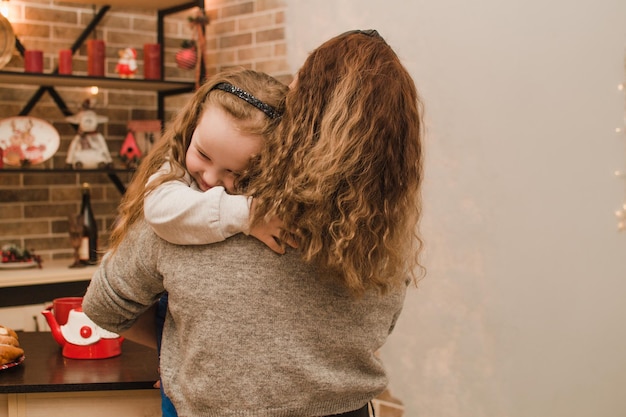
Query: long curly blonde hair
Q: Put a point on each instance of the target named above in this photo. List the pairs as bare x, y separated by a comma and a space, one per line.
173, 145
344, 168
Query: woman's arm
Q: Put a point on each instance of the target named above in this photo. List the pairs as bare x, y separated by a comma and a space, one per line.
127, 282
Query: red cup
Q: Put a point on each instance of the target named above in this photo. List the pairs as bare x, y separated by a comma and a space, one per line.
33, 61
65, 61
95, 58
61, 307
152, 61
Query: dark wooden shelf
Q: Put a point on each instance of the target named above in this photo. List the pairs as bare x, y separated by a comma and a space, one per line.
111, 172
171, 87
69, 170
140, 4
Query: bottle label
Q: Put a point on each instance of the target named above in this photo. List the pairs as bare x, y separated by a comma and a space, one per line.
83, 250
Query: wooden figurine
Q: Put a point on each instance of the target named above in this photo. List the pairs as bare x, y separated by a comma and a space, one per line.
88, 149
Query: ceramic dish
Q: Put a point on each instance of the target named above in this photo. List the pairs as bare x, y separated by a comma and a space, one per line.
12, 364
17, 265
7, 41
27, 140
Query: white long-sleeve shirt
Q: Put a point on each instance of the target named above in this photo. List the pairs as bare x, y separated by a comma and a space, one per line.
182, 214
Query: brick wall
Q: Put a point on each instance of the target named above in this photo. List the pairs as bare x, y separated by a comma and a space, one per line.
34, 207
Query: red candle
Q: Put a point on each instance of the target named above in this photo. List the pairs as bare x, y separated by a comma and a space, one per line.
95, 58
33, 61
152, 61
65, 61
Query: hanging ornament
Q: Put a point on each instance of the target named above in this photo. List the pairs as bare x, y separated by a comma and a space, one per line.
187, 57
198, 24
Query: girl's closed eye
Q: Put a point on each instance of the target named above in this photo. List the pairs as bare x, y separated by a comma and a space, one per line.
203, 155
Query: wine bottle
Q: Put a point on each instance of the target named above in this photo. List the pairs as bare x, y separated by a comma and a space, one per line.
88, 251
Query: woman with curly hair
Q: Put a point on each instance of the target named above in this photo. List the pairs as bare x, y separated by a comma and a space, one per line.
253, 333
344, 167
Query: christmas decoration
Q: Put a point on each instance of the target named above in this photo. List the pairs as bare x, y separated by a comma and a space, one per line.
187, 57
127, 64
192, 53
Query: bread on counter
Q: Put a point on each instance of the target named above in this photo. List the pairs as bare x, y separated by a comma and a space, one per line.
10, 350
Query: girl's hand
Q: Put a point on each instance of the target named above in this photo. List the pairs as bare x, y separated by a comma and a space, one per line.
270, 234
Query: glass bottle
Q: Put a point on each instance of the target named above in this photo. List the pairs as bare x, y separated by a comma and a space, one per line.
88, 251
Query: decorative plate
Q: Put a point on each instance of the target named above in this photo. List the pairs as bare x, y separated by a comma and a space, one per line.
17, 265
7, 41
27, 140
12, 364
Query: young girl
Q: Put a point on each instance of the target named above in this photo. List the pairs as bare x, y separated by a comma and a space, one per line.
207, 148
181, 216
187, 200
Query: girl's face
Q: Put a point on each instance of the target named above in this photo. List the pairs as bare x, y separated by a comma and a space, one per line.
219, 151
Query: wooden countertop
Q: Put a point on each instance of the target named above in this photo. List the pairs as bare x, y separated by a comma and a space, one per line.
46, 370
51, 272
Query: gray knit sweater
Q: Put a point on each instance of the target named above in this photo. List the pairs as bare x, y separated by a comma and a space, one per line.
248, 332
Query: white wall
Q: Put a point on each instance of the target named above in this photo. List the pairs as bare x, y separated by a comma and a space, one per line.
521, 313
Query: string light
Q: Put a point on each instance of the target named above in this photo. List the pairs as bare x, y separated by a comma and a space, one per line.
621, 213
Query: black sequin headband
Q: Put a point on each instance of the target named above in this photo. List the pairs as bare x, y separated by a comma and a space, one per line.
269, 111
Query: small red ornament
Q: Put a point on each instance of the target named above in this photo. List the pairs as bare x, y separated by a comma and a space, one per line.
85, 332
187, 57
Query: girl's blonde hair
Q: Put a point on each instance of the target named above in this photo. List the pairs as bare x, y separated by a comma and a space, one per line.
344, 168
172, 147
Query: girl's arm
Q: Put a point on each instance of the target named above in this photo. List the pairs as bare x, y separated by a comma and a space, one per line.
181, 214
184, 216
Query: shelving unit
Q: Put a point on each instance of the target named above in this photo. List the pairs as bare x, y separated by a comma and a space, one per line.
48, 82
